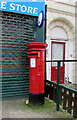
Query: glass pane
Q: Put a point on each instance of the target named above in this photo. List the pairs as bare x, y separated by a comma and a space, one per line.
57, 53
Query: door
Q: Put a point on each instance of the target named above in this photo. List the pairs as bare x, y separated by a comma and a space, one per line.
57, 53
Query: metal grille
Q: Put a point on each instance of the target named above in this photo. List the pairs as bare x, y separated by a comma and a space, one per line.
17, 30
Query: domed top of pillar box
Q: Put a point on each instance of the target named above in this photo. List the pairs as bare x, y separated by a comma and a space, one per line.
36, 46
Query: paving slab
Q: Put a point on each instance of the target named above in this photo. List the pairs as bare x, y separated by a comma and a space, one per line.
17, 108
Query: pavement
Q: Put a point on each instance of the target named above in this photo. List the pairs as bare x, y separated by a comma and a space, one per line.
17, 108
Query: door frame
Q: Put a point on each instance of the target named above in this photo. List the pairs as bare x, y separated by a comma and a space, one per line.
58, 42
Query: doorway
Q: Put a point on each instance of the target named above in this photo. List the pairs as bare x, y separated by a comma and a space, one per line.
57, 53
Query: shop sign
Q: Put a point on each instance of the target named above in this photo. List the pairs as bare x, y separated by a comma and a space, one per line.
30, 7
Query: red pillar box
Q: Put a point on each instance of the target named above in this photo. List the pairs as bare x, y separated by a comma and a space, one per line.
36, 54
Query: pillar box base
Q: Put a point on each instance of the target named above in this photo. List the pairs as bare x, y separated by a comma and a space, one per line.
36, 98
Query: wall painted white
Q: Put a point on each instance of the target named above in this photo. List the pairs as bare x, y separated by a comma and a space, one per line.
61, 26
58, 34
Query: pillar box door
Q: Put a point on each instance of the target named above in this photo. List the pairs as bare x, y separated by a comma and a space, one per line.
36, 54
